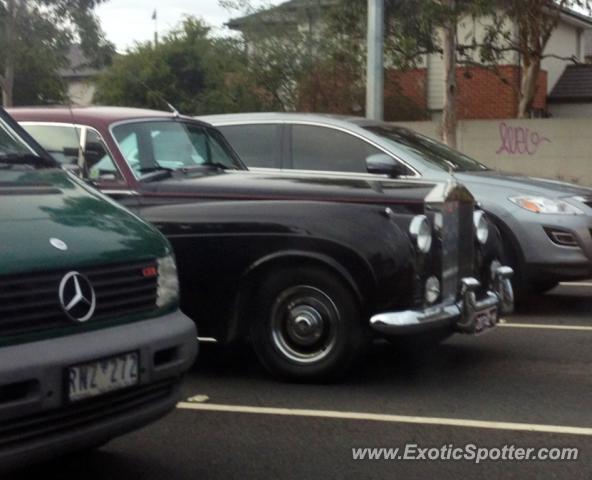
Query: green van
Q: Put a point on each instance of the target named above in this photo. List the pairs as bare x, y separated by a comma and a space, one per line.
92, 343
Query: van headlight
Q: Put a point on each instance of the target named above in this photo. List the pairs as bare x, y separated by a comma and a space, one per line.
481, 226
168, 282
421, 231
545, 205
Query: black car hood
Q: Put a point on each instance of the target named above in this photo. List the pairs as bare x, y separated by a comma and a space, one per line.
254, 186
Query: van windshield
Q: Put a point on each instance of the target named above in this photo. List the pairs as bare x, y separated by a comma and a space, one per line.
10, 142
16, 153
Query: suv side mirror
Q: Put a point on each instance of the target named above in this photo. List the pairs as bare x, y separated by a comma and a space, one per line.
383, 164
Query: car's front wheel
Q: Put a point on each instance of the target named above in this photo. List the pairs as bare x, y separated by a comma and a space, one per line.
307, 325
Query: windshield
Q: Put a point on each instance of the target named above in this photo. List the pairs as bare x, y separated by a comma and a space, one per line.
172, 145
10, 143
434, 152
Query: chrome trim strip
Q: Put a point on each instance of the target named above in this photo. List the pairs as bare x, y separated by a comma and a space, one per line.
206, 340
119, 192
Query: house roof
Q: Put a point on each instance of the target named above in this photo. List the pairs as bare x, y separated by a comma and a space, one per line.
283, 13
574, 86
79, 66
577, 18
286, 11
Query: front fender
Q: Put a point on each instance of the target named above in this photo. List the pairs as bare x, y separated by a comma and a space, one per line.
228, 242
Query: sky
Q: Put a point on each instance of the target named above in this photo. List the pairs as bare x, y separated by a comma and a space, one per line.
128, 21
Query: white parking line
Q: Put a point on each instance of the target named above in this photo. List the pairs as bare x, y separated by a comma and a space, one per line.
577, 284
542, 326
375, 417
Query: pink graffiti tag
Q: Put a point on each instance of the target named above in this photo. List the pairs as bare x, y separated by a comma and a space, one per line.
519, 140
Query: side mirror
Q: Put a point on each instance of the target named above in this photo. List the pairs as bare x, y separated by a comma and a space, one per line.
383, 164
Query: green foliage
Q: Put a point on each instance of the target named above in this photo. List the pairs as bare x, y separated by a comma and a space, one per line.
189, 69
34, 39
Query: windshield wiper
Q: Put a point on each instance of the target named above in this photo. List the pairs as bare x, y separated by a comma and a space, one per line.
219, 166
156, 172
24, 158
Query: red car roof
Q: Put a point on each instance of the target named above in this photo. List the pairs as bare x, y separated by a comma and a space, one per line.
87, 115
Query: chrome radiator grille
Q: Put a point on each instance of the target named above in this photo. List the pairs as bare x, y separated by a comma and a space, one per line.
458, 246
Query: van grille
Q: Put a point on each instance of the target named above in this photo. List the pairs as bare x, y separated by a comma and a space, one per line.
31, 302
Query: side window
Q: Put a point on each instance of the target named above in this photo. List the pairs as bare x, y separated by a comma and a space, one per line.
62, 142
256, 145
321, 148
99, 162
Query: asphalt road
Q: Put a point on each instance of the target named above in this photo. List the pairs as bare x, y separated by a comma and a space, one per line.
534, 372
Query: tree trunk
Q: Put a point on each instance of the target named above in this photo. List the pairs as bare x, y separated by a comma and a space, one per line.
450, 118
528, 86
7, 80
8, 84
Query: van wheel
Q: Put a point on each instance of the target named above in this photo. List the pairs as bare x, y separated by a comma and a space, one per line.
307, 325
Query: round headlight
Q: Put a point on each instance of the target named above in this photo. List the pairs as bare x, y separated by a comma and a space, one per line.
421, 231
481, 226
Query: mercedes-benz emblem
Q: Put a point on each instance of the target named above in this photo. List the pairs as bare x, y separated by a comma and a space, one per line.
77, 297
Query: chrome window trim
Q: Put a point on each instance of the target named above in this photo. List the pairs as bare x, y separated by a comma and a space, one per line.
111, 191
332, 127
81, 139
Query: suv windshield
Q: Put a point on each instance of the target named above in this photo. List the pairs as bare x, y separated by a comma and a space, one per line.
434, 152
172, 145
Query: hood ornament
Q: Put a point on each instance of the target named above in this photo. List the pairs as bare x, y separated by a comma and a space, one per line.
59, 244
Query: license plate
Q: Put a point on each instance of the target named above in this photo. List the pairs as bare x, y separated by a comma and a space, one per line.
102, 376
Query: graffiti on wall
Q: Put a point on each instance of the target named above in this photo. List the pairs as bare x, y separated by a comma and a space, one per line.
517, 140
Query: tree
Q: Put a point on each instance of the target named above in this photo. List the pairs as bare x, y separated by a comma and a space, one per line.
449, 46
189, 69
535, 21
39, 32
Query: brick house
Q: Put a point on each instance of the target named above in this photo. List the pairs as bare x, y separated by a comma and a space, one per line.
484, 94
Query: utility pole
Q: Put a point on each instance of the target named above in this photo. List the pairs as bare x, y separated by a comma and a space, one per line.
375, 63
155, 18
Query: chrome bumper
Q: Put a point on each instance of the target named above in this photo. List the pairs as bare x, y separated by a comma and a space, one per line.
468, 315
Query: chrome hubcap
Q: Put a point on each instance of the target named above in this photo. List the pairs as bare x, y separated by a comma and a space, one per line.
304, 324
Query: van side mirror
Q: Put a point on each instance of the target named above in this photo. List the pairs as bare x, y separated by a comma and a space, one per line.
383, 164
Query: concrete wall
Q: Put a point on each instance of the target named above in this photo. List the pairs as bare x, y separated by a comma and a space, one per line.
554, 148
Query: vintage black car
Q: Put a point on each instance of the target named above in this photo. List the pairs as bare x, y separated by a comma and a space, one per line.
308, 269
